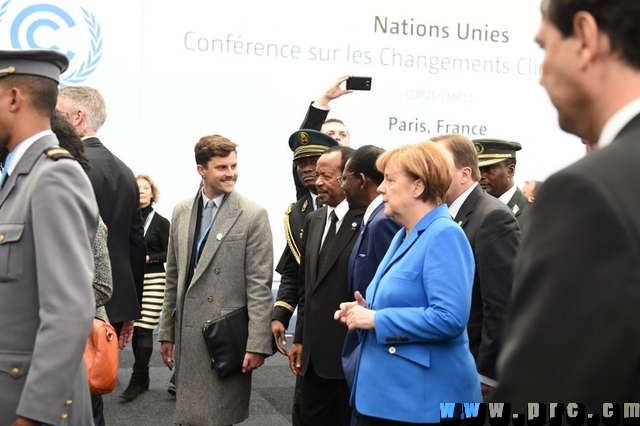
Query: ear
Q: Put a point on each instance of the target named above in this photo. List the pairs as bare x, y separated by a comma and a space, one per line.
14, 99
418, 188
200, 170
466, 174
511, 170
592, 40
364, 180
77, 118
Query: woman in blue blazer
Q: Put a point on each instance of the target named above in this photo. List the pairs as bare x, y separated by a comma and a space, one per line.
415, 351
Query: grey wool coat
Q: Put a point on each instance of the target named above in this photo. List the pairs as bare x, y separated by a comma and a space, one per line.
235, 269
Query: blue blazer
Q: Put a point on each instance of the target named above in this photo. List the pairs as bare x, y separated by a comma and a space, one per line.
368, 252
417, 356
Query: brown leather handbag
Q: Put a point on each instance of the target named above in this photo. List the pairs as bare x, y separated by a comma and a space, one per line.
101, 358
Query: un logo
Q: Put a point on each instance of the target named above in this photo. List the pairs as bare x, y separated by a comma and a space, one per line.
76, 33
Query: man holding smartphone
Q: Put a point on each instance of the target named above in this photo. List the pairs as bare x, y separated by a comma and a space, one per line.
316, 117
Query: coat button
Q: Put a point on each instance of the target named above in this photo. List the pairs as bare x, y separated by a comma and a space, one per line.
15, 371
68, 402
1, 238
216, 271
210, 298
392, 350
64, 416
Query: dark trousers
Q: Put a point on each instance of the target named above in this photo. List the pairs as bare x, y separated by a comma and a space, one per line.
98, 407
297, 399
324, 401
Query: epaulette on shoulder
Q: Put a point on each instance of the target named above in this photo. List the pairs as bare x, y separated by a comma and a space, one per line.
289, 209
56, 153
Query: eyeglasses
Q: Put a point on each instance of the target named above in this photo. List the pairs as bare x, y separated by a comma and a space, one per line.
343, 178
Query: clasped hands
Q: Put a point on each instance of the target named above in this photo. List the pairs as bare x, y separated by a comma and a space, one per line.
355, 314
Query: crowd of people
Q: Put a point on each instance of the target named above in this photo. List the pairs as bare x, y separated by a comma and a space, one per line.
421, 275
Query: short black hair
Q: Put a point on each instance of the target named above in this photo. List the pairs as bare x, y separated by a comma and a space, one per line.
363, 160
42, 91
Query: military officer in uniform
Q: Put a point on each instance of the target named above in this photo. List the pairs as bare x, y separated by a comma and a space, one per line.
497, 161
48, 220
307, 146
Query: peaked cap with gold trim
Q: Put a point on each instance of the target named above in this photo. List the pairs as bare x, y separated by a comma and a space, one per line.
492, 151
310, 143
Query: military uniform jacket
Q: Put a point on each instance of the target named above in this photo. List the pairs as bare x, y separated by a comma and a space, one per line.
518, 204
48, 220
289, 264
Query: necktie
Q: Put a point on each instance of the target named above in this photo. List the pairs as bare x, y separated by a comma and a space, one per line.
328, 242
5, 169
205, 227
207, 216
318, 203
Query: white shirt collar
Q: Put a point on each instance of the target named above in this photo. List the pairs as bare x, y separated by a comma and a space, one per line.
454, 208
341, 210
506, 197
614, 125
374, 205
217, 200
22, 147
313, 200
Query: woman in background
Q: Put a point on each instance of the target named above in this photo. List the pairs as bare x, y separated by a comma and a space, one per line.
415, 350
156, 234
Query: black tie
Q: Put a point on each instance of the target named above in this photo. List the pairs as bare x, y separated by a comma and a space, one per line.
318, 203
328, 242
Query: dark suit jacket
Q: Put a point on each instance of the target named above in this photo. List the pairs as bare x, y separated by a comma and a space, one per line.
157, 240
118, 198
368, 251
321, 336
494, 236
518, 205
572, 332
289, 264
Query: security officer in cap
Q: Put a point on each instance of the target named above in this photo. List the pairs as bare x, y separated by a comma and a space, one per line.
48, 220
307, 146
497, 161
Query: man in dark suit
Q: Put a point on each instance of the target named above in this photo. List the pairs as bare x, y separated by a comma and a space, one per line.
572, 331
118, 197
494, 236
307, 146
360, 183
328, 238
497, 162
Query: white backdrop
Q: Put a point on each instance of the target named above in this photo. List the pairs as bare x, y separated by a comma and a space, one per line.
172, 72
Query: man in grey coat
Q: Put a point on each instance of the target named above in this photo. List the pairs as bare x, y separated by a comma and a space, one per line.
48, 220
220, 258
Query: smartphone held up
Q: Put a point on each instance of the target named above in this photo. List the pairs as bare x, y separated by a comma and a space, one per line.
359, 83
